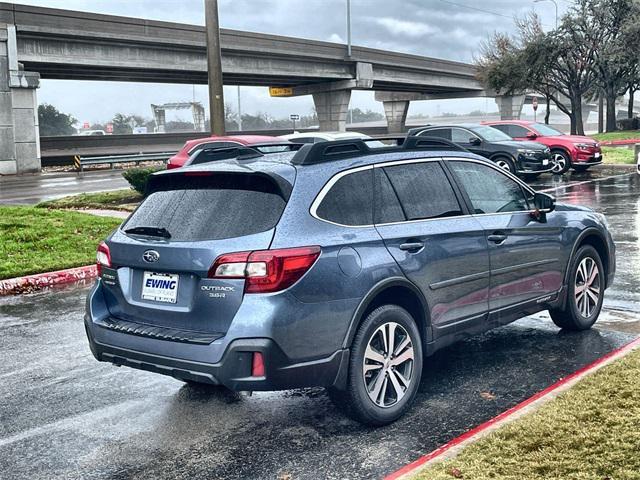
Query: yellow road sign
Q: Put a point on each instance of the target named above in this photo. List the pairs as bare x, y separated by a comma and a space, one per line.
280, 91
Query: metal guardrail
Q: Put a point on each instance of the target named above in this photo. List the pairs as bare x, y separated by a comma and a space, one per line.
81, 162
61, 150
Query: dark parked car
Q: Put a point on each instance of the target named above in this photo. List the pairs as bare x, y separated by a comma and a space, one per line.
567, 151
340, 266
528, 158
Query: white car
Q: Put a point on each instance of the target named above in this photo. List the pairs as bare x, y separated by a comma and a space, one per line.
638, 161
316, 137
92, 132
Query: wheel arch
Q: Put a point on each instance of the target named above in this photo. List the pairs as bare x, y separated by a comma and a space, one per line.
395, 291
592, 236
564, 150
497, 155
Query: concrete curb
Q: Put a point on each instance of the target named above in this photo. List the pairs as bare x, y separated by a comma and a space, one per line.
38, 281
455, 446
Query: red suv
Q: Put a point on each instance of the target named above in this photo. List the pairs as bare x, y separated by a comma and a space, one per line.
193, 146
567, 151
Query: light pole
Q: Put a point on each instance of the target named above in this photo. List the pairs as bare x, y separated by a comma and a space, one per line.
349, 28
555, 3
214, 64
239, 111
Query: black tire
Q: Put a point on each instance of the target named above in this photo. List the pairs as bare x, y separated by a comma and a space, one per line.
356, 400
581, 168
505, 163
562, 159
572, 316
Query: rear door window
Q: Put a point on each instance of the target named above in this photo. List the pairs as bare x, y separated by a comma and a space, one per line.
437, 132
350, 200
516, 131
503, 127
424, 190
204, 210
387, 205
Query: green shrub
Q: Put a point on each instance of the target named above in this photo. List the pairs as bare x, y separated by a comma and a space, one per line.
137, 177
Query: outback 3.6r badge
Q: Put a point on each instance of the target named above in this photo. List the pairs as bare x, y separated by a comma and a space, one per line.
216, 291
150, 256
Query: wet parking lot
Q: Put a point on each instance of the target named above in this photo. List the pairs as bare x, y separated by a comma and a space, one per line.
64, 415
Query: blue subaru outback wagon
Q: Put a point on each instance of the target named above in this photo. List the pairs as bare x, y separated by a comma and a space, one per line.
339, 265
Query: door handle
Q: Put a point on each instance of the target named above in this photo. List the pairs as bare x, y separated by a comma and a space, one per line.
497, 237
411, 246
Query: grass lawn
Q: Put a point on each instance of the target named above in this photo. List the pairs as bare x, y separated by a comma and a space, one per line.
126, 199
35, 240
591, 432
618, 155
621, 135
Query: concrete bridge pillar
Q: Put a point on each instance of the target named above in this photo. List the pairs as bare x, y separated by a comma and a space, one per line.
332, 108
587, 108
510, 106
19, 136
396, 113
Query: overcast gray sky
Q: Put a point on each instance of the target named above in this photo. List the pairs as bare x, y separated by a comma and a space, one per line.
434, 28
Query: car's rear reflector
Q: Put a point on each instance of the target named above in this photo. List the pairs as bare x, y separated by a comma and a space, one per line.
257, 365
266, 270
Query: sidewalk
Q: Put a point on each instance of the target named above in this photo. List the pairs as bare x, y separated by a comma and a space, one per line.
35, 188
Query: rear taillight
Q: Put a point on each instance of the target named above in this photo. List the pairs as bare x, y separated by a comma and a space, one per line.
266, 270
103, 257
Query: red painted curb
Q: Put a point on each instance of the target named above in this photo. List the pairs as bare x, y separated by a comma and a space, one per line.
42, 280
628, 141
474, 431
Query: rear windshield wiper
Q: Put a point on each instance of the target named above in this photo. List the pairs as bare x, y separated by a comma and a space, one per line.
149, 231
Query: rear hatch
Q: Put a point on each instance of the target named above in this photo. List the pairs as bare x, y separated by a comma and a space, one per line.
161, 256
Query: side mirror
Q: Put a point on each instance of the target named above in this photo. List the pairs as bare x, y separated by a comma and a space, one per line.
544, 202
475, 141
532, 135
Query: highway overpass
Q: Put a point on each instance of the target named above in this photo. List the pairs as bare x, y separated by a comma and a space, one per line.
62, 44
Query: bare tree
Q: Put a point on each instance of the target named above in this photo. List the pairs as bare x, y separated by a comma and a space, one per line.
616, 64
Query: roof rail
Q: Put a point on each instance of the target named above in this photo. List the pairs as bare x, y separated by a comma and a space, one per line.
311, 154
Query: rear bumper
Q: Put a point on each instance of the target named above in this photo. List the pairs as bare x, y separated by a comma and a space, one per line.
234, 369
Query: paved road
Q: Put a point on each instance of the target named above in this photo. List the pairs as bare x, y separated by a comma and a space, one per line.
63, 415
31, 189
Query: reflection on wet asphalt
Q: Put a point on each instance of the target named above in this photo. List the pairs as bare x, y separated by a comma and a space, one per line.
618, 197
64, 415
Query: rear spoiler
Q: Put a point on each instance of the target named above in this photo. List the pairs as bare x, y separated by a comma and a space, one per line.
179, 179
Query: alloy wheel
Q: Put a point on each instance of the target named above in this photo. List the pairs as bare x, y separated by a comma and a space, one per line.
388, 364
558, 163
587, 286
503, 164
